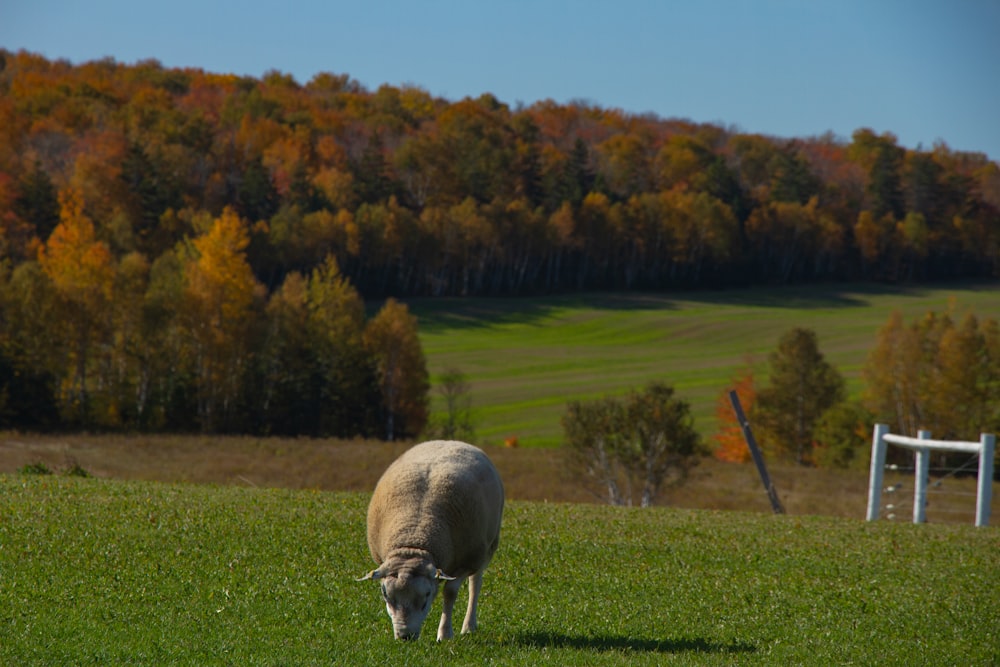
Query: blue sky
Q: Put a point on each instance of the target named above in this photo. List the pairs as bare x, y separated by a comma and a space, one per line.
924, 70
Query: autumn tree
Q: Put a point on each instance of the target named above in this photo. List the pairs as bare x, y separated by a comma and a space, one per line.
785, 236
82, 272
220, 291
802, 385
729, 438
391, 338
933, 374
629, 164
899, 369
968, 384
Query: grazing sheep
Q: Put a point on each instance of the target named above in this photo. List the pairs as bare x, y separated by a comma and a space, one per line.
435, 516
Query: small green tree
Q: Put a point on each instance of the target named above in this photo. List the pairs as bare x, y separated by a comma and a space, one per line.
842, 435
456, 423
637, 444
661, 444
802, 386
593, 434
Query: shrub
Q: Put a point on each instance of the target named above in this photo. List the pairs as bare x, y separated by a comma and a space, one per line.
36, 468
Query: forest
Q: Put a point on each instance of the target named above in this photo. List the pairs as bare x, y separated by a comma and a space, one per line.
174, 239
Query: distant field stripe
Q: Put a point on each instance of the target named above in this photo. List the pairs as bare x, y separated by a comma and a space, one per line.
534, 355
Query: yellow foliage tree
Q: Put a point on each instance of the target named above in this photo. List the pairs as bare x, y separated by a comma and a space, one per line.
82, 272
220, 291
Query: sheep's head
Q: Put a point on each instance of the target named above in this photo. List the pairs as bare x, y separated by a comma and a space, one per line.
408, 588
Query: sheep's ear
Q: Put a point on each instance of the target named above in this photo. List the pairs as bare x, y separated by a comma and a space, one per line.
374, 574
442, 576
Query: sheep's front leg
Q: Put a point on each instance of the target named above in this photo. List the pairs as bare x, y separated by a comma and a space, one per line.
449, 595
475, 585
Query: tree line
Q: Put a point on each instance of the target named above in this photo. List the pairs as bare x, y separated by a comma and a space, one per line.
417, 195
194, 342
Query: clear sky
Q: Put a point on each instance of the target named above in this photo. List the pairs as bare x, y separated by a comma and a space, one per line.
925, 70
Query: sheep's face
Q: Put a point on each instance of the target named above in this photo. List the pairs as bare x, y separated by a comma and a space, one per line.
408, 596
408, 590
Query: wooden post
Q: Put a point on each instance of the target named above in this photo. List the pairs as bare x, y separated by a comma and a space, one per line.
758, 458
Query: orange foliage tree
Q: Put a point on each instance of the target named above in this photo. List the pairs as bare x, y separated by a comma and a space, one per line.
731, 445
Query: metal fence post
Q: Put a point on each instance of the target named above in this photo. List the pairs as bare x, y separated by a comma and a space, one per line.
877, 469
984, 490
921, 476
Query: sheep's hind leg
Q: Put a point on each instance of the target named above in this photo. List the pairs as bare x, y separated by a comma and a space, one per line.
475, 585
448, 597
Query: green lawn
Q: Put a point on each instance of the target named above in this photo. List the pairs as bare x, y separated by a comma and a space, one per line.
115, 573
526, 358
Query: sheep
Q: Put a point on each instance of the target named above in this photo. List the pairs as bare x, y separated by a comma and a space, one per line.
434, 516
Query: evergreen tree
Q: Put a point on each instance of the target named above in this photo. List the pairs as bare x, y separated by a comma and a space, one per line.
38, 203
801, 387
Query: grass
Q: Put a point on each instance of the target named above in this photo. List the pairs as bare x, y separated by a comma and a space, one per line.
526, 358
106, 572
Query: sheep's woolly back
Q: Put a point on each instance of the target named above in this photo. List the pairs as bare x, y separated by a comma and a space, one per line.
444, 497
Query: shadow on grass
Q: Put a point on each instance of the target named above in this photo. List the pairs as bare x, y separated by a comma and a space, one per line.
448, 313
612, 643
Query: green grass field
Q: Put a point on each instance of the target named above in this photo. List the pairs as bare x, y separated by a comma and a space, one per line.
138, 573
526, 358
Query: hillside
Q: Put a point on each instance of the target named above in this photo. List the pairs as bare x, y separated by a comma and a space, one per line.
176, 239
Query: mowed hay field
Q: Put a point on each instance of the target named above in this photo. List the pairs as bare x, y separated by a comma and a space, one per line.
526, 358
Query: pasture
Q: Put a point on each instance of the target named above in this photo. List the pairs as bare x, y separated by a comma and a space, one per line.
109, 572
526, 358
